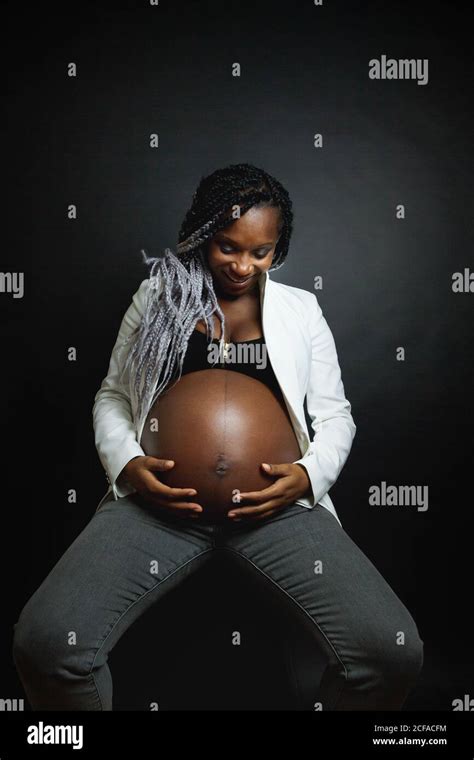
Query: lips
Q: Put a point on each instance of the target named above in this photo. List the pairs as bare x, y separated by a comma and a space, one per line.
238, 282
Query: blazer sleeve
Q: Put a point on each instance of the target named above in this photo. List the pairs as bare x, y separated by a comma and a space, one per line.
114, 429
328, 408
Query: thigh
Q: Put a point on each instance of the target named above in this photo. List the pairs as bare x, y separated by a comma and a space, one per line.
123, 560
314, 568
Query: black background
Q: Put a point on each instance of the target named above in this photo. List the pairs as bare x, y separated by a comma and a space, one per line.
387, 283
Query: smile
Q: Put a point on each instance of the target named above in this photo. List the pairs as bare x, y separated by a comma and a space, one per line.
238, 282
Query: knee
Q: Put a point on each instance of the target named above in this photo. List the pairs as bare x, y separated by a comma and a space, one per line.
49, 641
36, 649
411, 656
403, 655
29, 643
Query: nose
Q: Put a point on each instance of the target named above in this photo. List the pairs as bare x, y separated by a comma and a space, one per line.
241, 268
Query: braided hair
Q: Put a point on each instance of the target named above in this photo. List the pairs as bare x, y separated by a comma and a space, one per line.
181, 290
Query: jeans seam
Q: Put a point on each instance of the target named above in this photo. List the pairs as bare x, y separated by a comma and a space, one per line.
142, 596
94, 682
313, 620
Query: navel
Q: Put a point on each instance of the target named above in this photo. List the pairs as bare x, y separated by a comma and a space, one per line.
222, 465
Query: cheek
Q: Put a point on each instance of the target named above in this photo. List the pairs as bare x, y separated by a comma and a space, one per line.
210, 257
214, 258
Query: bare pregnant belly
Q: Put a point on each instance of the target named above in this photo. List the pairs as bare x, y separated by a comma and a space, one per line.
218, 426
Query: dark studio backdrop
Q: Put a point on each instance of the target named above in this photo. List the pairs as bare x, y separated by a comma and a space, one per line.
387, 284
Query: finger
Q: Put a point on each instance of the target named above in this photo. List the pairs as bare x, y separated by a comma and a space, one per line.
183, 514
157, 487
154, 463
259, 516
273, 491
276, 469
174, 493
244, 511
176, 505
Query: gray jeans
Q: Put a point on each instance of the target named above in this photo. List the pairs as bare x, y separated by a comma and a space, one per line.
129, 556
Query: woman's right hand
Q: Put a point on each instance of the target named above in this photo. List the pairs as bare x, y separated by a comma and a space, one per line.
139, 473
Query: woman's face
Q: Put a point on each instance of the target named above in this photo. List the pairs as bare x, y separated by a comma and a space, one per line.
243, 250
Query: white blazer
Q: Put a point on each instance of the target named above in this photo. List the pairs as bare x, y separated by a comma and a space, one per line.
301, 349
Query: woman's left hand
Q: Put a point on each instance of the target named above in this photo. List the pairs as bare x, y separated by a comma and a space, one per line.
292, 483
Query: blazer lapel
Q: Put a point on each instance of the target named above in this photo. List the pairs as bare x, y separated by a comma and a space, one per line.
276, 326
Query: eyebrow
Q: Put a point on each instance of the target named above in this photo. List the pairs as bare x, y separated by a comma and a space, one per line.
229, 239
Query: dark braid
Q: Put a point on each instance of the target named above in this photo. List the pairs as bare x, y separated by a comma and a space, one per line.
240, 185
181, 288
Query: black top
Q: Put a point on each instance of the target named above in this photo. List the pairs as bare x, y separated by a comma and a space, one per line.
249, 357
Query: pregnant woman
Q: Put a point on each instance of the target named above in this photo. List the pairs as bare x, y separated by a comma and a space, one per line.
200, 427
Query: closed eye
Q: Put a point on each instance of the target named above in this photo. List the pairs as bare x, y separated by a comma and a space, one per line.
227, 249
